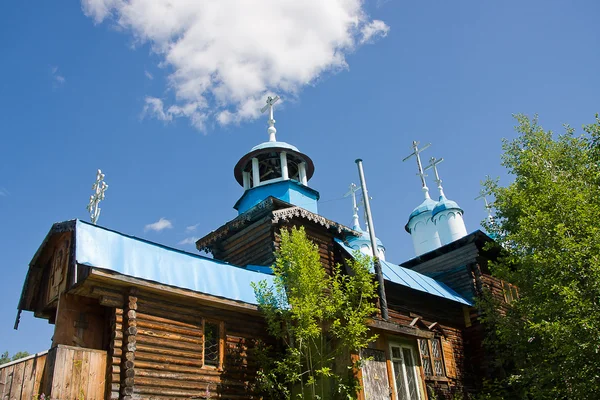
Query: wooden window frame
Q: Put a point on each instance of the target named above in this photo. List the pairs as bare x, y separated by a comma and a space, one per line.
444, 376
416, 369
221, 361
510, 291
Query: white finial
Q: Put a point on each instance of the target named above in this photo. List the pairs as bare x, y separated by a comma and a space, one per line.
488, 207
433, 164
99, 187
416, 152
271, 130
352, 192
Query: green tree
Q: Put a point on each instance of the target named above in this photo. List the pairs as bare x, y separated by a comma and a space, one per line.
5, 358
321, 319
547, 220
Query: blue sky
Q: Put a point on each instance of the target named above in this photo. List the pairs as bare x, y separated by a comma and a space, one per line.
165, 103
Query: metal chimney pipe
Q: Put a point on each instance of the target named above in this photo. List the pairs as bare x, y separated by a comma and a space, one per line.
381, 287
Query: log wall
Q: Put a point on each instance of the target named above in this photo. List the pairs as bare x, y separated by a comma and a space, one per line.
165, 361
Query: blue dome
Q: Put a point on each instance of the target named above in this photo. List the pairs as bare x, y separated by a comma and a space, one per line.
364, 238
445, 204
267, 145
426, 205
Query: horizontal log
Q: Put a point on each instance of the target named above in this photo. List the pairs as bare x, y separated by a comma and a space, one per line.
169, 321
175, 384
167, 351
139, 355
151, 365
109, 301
146, 389
166, 327
143, 339
170, 336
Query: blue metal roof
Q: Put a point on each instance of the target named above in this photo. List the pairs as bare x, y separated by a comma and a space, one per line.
414, 280
128, 255
445, 204
267, 145
426, 205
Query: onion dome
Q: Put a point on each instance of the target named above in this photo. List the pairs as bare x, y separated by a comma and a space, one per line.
447, 215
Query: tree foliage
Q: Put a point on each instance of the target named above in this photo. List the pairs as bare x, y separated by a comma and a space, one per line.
320, 319
5, 358
547, 220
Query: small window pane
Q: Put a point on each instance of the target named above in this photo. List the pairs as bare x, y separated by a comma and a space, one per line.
396, 352
435, 348
211, 344
400, 381
410, 373
424, 349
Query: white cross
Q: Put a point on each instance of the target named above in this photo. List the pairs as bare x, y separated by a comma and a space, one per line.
352, 192
488, 207
416, 152
271, 130
99, 187
433, 164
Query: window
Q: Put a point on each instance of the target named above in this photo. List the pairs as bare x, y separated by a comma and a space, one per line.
406, 376
510, 292
213, 344
431, 357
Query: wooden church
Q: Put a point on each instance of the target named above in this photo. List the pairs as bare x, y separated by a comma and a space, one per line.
137, 320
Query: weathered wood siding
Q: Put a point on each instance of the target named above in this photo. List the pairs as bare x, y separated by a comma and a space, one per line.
374, 374
74, 373
253, 245
21, 379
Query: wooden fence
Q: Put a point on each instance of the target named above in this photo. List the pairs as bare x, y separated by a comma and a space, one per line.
62, 373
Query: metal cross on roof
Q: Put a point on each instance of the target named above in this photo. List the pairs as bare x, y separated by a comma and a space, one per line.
433, 162
271, 130
488, 207
99, 187
416, 152
352, 192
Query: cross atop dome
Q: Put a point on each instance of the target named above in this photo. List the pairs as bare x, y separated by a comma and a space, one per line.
417, 153
352, 192
271, 130
433, 162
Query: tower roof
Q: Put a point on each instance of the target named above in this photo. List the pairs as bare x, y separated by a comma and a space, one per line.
272, 147
445, 204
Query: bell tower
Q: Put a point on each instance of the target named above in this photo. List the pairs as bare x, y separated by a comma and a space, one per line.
275, 169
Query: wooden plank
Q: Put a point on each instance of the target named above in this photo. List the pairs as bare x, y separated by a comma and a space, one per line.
96, 382
40, 367
28, 379
17, 381
77, 379
395, 328
7, 381
60, 363
2, 380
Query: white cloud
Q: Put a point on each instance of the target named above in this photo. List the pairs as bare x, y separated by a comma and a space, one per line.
148, 75
159, 225
192, 228
224, 57
189, 240
372, 30
4, 192
57, 79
